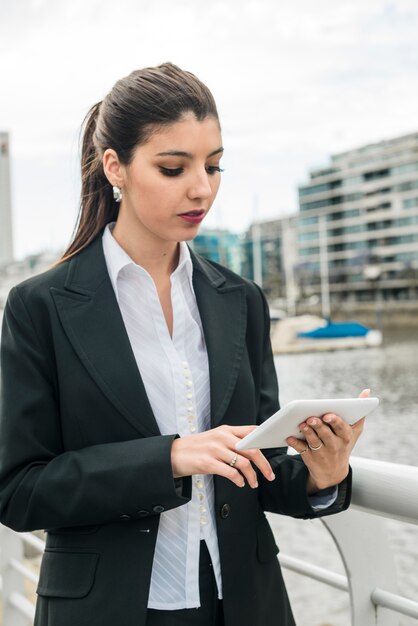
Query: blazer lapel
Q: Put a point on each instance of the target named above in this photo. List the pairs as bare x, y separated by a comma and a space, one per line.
223, 311
92, 320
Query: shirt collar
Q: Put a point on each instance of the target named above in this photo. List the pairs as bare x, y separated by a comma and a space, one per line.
116, 258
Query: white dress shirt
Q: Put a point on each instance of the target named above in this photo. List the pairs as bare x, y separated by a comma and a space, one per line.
175, 373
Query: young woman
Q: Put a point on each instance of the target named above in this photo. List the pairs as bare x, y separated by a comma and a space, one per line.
129, 372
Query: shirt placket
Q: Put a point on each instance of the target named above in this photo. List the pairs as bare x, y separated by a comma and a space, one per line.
187, 425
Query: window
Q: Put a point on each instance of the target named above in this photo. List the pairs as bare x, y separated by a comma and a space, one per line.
307, 236
308, 251
305, 191
376, 175
410, 203
406, 221
409, 186
308, 221
404, 169
352, 180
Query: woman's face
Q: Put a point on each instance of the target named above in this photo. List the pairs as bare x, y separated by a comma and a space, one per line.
171, 182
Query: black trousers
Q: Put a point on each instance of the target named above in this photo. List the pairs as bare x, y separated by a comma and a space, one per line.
208, 614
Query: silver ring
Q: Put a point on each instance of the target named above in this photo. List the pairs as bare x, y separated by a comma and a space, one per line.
317, 447
233, 461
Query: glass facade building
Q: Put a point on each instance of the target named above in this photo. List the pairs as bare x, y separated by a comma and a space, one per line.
220, 246
367, 204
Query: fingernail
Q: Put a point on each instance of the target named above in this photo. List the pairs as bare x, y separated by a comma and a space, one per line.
305, 428
327, 419
272, 476
312, 422
255, 485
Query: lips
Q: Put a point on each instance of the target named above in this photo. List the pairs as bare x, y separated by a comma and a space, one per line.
193, 217
197, 213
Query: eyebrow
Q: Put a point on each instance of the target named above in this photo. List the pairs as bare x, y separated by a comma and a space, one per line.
188, 155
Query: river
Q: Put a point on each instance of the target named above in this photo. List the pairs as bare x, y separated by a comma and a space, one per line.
391, 434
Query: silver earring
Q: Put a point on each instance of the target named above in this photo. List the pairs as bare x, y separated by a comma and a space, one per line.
117, 193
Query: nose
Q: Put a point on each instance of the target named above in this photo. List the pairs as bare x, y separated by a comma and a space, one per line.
200, 185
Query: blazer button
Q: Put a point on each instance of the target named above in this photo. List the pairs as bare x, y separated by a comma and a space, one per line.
142, 513
225, 511
158, 508
125, 518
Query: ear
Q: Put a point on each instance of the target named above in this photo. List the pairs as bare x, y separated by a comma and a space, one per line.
113, 168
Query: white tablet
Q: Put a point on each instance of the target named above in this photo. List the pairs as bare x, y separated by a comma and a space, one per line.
285, 423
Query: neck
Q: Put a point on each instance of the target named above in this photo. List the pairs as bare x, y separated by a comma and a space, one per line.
159, 259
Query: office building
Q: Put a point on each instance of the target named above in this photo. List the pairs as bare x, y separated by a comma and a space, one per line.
220, 246
6, 235
270, 255
359, 218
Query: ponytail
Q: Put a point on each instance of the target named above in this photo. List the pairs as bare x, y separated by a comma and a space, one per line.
97, 206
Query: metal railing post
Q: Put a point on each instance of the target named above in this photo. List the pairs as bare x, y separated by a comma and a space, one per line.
13, 581
362, 542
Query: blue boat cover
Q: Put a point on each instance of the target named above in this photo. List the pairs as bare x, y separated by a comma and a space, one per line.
337, 329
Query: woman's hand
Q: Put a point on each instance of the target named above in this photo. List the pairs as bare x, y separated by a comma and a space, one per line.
327, 449
213, 452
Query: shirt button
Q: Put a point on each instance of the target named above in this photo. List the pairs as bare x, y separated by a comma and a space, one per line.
201, 497
158, 508
203, 521
142, 513
190, 418
185, 364
203, 509
199, 484
192, 428
189, 383
189, 397
225, 511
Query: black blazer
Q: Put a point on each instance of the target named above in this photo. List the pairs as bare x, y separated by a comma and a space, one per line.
81, 454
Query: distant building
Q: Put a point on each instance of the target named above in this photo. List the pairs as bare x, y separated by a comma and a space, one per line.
6, 234
270, 254
366, 204
220, 246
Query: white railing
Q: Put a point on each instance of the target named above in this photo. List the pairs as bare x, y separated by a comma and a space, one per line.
380, 490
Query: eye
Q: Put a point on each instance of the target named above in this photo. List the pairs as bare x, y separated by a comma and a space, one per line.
212, 169
171, 171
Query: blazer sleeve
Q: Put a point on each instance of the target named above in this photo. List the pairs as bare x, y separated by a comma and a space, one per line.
287, 494
42, 485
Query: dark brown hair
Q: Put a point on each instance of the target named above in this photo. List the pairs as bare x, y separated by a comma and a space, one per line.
135, 108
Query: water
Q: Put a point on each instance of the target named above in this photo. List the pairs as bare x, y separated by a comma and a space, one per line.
391, 434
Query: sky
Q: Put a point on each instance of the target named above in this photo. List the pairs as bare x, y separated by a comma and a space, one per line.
295, 81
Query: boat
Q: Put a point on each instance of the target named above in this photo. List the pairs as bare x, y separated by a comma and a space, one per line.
309, 333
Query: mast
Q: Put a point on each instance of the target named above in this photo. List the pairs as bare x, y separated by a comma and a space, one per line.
256, 241
323, 258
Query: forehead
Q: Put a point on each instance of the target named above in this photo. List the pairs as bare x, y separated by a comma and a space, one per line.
186, 135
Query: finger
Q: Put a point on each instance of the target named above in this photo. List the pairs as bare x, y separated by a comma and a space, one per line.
298, 444
239, 431
365, 393
244, 466
317, 433
232, 474
260, 461
337, 426
358, 427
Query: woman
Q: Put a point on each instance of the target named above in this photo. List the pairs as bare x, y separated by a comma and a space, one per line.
129, 372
